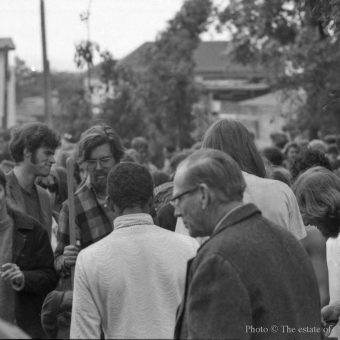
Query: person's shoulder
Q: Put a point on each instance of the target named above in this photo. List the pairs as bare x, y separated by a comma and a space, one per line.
97, 247
23, 220
252, 179
267, 186
179, 239
314, 240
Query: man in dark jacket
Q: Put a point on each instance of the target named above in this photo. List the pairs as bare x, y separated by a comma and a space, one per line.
32, 147
27, 267
251, 279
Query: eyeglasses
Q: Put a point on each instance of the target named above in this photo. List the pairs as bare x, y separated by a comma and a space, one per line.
177, 197
104, 162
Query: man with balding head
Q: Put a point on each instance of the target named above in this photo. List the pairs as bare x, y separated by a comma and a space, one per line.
250, 275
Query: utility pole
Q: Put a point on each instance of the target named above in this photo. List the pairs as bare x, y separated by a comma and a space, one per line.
46, 67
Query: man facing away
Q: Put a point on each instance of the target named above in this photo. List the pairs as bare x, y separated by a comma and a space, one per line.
251, 279
130, 283
32, 147
99, 149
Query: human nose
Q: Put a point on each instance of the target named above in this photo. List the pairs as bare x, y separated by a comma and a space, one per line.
98, 164
52, 159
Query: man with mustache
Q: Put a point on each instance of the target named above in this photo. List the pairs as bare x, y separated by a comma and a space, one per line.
99, 149
32, 147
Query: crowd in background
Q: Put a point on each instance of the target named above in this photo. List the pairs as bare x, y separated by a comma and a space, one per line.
295, 184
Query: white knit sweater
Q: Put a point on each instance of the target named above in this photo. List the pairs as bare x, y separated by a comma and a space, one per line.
131, 282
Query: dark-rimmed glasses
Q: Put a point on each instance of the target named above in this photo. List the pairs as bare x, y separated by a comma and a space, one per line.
104, 162
178, 196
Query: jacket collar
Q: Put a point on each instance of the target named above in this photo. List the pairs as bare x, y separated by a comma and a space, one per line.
236, 216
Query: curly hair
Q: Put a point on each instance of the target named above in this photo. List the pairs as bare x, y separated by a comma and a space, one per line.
96, 136
318, 194
307, 159
130, 185
32, 136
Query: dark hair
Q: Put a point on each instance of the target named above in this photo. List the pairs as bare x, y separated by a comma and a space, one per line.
160, 177
97, 136
32, 136
139, 142
281, 176
331, 139
170, 148
178, 158
290, 145
279, 139
318, 194
218, 171
129, 185
307, 159
274, 155
336, 164
233, 138
333, 148
3, 180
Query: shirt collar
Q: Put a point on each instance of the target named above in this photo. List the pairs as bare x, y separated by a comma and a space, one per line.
132, 220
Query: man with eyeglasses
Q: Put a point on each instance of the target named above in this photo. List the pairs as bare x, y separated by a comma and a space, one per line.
99, 149
251, 279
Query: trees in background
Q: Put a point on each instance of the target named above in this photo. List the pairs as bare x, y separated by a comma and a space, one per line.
157, 101
297, 42
170, 72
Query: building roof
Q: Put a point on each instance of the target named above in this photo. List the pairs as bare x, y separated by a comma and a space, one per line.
213, 60
136, 59
6, 44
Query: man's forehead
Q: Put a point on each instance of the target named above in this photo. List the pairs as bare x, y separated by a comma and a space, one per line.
46, 148
101, 149
180, 178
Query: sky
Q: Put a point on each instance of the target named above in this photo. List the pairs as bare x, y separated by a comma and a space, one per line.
117, 25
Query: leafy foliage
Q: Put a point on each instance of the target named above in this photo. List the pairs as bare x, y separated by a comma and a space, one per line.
171, 87
298, 43
157, 102
75, 114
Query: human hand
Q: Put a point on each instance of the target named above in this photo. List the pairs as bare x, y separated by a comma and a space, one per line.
331, 312
70, 255
10, 272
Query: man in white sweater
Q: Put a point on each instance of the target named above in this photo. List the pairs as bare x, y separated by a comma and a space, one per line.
129, 284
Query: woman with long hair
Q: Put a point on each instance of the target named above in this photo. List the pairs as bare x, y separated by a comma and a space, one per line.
274, 198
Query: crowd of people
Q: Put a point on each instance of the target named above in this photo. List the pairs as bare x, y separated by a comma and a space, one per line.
223, 241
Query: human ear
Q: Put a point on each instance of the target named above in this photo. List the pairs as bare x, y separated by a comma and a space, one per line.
204, 195
27, 154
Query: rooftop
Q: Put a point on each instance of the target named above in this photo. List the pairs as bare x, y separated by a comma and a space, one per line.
6, 44
212, 58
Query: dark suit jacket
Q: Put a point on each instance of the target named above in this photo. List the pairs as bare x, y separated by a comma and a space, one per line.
249, 274
33, 254
15, 197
